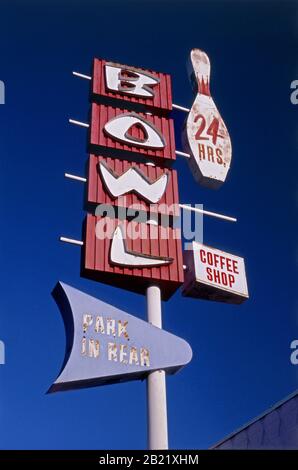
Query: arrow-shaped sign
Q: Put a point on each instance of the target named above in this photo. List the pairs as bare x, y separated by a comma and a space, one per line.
107, 345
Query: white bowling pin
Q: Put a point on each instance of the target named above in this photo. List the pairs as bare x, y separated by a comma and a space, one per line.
205, 136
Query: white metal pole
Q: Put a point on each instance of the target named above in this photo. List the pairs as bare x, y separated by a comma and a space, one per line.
156, 383
183, 206
71, 240
181, 108
212, 214
182, 154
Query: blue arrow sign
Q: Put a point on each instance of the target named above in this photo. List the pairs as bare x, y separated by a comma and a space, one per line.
106, 345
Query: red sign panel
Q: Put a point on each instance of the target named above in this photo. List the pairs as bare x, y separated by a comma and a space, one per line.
132, 147
124, 84
126, 134
138, 185
132, 255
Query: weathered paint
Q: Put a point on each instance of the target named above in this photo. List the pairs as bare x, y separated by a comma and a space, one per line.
121, 255
160, 100
132, 147
205, 136
102, 142
214, 275
98, 193
157, 241
107, 345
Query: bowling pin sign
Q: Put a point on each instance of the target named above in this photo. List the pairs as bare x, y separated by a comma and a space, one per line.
205, 135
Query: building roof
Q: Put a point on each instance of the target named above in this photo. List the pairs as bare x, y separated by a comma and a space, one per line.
276, 428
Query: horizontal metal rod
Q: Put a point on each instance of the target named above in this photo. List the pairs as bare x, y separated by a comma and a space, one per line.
182, 154
78, 123
85, 124
180, 108
211, 214
87, 77
182, 206
71, 240
74, 177
82, 75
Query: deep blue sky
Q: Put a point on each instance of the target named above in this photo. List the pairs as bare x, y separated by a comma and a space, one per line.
241, 353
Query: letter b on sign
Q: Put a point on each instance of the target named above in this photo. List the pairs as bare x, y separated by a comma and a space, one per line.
130, 81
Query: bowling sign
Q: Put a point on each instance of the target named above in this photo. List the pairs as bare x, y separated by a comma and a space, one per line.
205, 136
132, 149
132, 254
106, 345
136, 88
212, 274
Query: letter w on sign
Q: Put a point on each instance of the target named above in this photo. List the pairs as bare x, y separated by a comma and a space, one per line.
133, 180
127, 184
